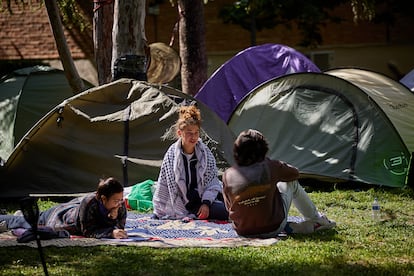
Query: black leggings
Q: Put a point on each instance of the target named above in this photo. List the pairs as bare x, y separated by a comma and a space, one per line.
218, 211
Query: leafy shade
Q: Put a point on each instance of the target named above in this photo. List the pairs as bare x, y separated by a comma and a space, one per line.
258, 14
267, 14
72, 15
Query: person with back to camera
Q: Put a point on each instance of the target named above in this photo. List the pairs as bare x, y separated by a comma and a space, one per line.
188, 186
101, 214
258, 192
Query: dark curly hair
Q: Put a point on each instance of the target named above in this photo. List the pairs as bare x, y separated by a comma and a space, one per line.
250, 147
108, 186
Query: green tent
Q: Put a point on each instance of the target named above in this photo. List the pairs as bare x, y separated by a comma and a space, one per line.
26, 95
337, 126
120, 129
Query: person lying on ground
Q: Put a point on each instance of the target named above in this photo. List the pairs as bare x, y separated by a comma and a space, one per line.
101, 214
258, 192
188, 186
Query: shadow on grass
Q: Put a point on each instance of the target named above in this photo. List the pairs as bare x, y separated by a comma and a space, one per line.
323, 236
180, 261
324, 186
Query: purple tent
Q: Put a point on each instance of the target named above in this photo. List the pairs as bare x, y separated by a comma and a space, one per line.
246, 70
408, 80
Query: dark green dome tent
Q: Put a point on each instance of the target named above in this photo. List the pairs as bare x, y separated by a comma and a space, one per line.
335, 127
120, 129
26, 95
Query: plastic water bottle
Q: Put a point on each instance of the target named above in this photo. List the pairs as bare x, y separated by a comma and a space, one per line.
376, 210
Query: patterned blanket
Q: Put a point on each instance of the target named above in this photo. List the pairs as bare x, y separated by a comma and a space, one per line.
145, 231
144, 226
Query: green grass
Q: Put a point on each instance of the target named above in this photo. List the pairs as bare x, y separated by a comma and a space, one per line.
358, 246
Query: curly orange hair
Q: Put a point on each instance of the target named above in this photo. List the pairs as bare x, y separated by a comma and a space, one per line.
188, 115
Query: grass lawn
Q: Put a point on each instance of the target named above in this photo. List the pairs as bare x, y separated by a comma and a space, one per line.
358, 246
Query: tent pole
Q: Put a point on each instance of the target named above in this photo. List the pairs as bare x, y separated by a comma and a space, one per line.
126, 146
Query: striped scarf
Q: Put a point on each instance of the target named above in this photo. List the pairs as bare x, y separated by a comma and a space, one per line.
169, 198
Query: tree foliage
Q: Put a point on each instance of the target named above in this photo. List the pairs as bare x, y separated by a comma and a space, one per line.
310, 15
71, 15
388, 11
262, 14
55, 19
256, 15
363, 9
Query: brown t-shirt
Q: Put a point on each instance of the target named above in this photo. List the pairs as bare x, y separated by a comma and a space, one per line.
252, 197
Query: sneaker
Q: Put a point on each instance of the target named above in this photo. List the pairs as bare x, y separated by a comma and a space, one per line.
323, 223
304, 227
18, 213
3, 226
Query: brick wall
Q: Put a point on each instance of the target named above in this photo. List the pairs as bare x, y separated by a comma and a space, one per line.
26, 34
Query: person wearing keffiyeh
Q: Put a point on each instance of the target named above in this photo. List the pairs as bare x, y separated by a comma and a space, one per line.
188, 186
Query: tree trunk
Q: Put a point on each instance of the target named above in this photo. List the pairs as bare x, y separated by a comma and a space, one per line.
69, 68
129, 59
103, 20
252, 29
192, 45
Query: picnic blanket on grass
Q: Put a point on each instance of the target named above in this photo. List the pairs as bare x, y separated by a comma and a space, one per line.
145, 231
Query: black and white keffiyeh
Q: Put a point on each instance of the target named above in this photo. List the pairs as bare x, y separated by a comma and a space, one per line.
169, 198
